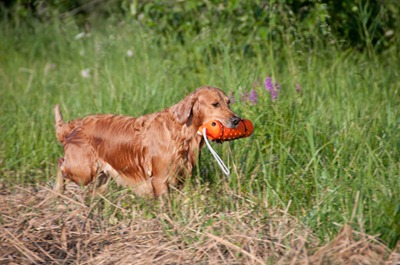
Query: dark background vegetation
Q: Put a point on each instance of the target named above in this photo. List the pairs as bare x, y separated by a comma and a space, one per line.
364, 25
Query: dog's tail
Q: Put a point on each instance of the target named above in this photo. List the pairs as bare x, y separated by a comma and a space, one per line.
62, 128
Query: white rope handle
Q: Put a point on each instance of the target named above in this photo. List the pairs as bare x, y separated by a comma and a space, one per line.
219, 160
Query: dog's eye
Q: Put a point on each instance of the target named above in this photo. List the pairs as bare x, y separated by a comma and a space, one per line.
216, 104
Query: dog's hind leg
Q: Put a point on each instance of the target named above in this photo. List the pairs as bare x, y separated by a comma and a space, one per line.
59, 185
101, 183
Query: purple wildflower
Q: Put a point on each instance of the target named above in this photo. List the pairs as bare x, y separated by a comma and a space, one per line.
298, 88
245, 96
270, 88
277, 86
253, 97
231, 97
268, 84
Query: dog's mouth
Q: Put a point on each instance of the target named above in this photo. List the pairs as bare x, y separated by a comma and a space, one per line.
231, 123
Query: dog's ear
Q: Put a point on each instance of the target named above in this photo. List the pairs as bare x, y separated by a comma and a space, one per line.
183, 110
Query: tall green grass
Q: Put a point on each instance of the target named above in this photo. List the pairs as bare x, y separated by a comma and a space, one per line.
330, 153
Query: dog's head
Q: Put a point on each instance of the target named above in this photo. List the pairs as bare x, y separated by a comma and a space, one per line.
203, 105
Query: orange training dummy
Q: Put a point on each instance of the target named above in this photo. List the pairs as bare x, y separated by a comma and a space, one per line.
216, 131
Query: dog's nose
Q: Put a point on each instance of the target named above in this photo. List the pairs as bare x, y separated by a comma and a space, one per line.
235, 120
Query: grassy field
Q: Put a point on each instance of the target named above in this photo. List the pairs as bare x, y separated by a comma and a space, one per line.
326, 151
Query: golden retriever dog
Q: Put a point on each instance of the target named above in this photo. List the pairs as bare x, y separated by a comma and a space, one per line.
149, 153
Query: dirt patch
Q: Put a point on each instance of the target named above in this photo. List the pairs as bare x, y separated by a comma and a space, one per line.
70, 230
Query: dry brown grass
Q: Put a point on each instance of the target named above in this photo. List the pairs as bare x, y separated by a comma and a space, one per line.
75, 230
